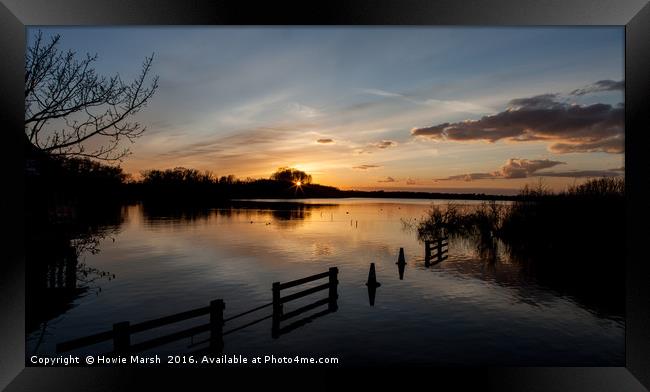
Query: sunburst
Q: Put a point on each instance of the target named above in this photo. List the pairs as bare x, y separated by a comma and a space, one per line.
298, 185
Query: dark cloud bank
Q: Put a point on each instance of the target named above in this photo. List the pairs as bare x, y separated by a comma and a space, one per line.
568, 127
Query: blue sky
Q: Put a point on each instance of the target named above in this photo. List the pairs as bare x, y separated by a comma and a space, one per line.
248, 100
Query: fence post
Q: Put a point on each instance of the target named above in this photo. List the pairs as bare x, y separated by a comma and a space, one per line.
427, 251
121, 337
333, 295
440, 249
216, 325
277, 311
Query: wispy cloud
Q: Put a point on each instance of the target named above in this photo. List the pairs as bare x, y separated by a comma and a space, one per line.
385, 144
388, 179
303, 110
381, 93
569, 127
448, 106
325, 141
366, 167
601, 85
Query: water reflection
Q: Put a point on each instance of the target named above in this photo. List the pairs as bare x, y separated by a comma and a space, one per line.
480, 299
57, 273
285, 214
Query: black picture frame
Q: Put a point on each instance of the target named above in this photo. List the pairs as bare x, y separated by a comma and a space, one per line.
633, 14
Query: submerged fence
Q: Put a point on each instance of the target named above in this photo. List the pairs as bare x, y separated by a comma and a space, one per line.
436, 251
279, 301
122, 332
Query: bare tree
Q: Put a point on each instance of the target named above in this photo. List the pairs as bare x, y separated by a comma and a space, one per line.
67, 103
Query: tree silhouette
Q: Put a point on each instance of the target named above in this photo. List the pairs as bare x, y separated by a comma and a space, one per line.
67, 103
291, 175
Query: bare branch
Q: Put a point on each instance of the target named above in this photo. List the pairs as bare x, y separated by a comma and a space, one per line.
67, 103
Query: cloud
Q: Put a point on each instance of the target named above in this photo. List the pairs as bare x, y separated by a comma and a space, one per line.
446, 105
303, 110
382, 145
388, 179
325, 141
381, 93
601, 85
411, 181
524, 168
513, 168
582, 173
569, 127
469, 177
385, 144
613, 145
365, 167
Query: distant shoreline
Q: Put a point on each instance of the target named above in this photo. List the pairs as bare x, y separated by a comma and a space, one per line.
391, 195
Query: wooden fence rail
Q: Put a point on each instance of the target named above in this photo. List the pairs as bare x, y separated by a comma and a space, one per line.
441, 248
122, 332
279, 301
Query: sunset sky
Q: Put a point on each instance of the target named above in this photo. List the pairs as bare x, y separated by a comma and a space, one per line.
415, 108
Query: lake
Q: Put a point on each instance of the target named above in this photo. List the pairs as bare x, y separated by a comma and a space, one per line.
465, 310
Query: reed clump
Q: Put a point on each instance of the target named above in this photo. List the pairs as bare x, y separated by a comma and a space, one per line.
572, 240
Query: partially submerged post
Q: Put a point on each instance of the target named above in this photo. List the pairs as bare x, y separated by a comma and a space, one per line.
427, 252
277, 311
216, 325
372, 284
401, 259
372, 277
333, 294
401, 263
121, 337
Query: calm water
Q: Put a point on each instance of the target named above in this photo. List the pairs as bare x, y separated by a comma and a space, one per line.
465, 310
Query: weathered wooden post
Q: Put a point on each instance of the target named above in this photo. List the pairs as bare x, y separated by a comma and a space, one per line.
121, 337
277, 311
216, 325
439, 249
427, 251
333, 294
